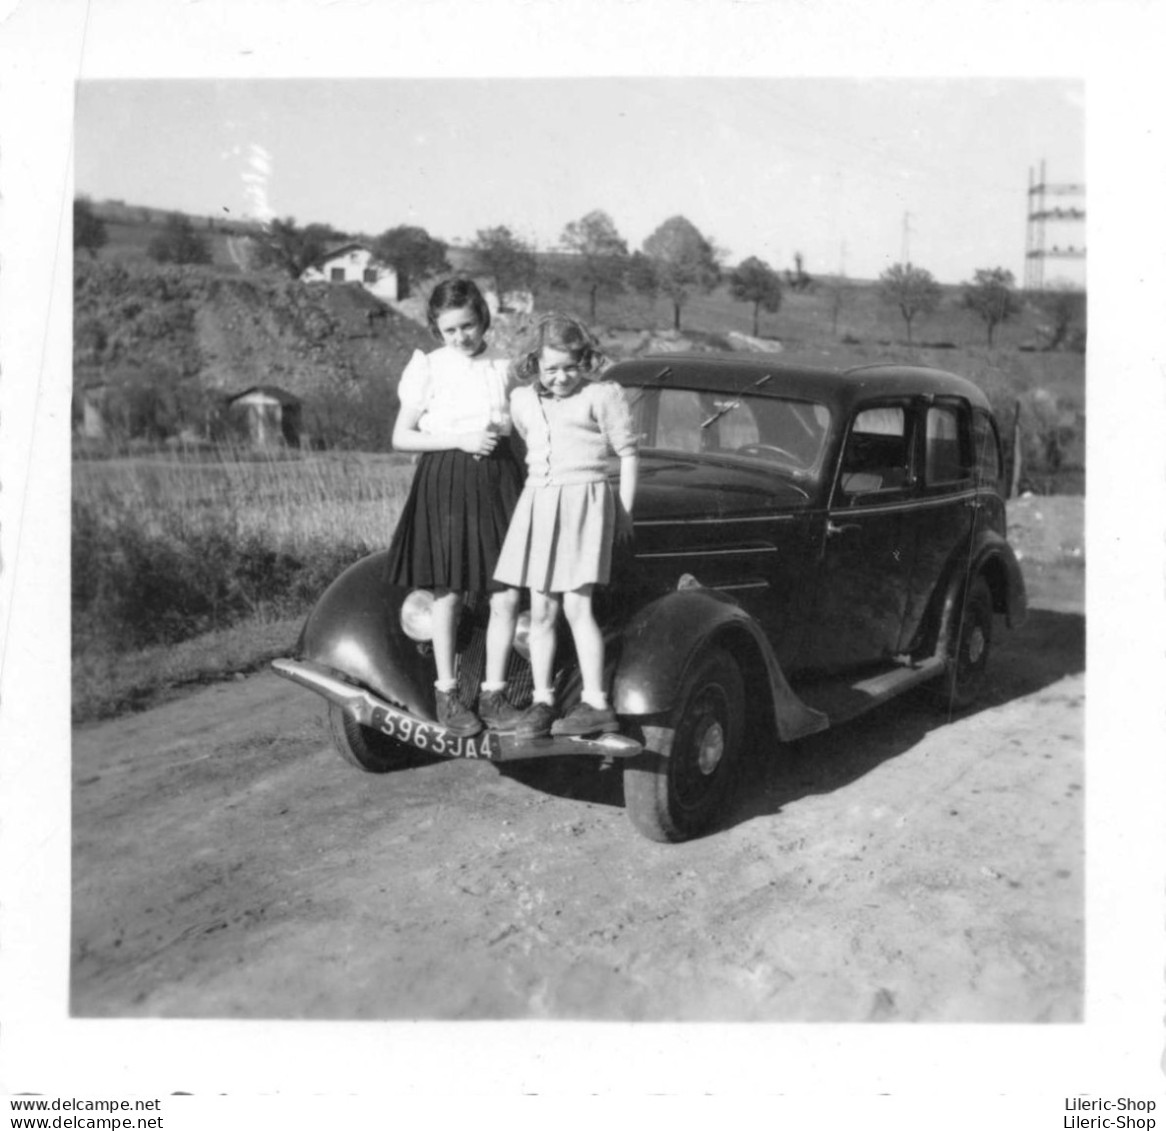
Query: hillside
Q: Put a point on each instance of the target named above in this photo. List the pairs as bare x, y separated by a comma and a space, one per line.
183, 338
166, 346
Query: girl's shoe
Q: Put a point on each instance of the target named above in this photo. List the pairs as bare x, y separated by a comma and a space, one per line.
455, 716
585, 719
496, 711
535, 721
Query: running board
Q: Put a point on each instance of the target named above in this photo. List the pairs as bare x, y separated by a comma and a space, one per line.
843, 701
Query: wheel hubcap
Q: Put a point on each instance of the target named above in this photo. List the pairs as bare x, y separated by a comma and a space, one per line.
711, 748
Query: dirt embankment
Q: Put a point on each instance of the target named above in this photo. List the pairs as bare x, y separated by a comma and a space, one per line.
903, 867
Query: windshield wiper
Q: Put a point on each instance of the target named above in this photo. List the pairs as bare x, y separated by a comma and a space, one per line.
727, 408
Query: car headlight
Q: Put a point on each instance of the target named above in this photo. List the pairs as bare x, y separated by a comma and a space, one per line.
417, 615
522, 635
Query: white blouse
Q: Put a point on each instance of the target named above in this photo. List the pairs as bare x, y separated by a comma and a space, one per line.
455, 393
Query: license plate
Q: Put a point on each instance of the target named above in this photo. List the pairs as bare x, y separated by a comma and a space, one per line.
432, 738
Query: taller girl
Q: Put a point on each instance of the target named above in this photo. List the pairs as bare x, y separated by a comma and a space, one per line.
454, 410
561, 538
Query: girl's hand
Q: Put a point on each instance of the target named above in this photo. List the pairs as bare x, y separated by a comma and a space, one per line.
478, 443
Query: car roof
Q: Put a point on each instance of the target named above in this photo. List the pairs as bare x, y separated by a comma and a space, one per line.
840, 388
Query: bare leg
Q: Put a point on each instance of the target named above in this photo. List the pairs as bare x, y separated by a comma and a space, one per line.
588, 643
544, 612
447, 605
500, 634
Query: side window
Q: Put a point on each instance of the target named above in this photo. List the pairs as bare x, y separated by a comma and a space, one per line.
877, 455
987, 454
945, 460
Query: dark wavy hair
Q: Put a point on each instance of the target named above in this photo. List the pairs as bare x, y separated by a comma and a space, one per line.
558, 332
456, 294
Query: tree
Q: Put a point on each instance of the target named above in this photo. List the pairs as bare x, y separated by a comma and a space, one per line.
89, 232
989, 295
290, 248
602, 251
642, 276
684, 262
178, 242
841, 293
413, 253
506, 259
1064, 307
911, 289
756, 282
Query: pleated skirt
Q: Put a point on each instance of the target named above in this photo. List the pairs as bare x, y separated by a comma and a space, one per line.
455, 520
560, 538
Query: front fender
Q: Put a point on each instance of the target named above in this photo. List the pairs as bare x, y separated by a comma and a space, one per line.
355, 629
664, 638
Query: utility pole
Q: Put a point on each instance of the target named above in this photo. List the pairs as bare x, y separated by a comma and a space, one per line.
1040, 214
906, 259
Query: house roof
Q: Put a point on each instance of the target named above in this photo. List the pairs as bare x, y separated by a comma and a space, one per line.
341, 249
273, 391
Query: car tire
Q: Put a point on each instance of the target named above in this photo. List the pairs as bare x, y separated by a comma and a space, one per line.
680, 796
366, 748
967, 670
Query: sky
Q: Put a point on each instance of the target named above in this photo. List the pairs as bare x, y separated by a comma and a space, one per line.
855, 174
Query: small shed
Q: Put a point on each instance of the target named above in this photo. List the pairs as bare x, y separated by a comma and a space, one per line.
267, 415
354, 263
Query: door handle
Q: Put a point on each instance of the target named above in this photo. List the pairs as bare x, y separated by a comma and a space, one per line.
832, 528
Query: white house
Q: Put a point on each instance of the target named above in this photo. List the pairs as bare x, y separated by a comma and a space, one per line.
355, 263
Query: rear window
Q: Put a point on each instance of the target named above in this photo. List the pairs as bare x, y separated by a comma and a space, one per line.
987, 454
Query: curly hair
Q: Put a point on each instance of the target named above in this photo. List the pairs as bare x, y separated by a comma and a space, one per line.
558, 332
457, 293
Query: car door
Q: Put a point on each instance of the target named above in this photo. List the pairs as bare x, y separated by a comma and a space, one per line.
946, 504
867, 542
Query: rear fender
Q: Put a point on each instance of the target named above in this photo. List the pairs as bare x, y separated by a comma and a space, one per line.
355, 629
664, 639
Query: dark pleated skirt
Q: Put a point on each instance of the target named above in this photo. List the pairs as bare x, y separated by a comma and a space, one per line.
455, 519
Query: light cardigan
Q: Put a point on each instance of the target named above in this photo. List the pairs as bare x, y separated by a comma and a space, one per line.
455, 393
570, 439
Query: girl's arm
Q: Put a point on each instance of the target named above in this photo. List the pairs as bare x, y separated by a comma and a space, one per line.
407, 437
629, 467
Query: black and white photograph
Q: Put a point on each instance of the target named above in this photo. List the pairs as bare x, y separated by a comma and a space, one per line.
553, 567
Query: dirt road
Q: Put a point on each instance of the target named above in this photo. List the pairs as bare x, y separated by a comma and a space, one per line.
903, 868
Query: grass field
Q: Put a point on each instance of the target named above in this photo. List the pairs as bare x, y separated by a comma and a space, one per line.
189, 566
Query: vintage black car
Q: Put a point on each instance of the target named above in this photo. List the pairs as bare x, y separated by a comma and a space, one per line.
808, 544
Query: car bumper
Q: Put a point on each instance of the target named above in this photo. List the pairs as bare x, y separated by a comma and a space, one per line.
368, 708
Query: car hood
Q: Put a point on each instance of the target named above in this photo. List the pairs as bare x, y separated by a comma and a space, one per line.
673, 486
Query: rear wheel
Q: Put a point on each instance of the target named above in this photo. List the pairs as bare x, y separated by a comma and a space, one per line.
681, 795
366, 748
967, 671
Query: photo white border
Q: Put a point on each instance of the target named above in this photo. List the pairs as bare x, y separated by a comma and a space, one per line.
1115, 47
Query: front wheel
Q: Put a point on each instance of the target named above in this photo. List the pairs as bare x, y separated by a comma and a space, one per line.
366, 748
680, 796
967, 666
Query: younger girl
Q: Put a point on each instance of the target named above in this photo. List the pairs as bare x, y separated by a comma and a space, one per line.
560, 540
454, 411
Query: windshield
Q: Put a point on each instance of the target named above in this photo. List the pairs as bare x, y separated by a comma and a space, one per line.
787, 435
